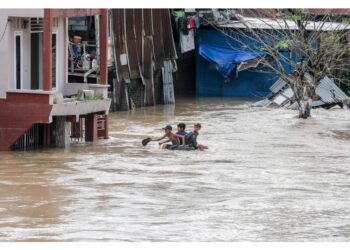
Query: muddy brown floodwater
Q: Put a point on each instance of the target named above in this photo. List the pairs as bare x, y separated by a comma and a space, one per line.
267, 176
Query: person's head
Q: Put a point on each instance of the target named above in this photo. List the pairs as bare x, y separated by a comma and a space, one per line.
197, 127
168, 129
181, 127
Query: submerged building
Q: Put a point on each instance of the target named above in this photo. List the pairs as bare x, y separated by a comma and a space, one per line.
227, 56
48, 94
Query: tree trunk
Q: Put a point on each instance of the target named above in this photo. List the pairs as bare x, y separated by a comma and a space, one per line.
305, 107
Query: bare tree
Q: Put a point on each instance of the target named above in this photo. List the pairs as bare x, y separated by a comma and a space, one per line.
301, 47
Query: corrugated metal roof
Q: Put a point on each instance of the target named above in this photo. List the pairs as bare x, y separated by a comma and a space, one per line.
330, 92
131, 44
119, 43
280, 24
147, 22
138, 20
158, 34
330, 11
278, 85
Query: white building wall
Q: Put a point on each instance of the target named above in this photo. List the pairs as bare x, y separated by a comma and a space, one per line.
61, 53
7, 52
7, 48
25, 81
7, 58
4, 52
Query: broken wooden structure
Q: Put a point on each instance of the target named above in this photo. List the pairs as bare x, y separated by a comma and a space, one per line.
143, 46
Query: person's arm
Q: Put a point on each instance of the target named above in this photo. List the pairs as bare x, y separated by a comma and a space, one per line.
158, 139
182, 138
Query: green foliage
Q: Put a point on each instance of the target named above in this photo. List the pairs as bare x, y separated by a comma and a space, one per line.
283, 44
82, 99
296, 17
94, 98
345, 20
333, 38
305, 11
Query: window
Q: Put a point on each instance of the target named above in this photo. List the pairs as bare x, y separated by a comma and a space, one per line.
18, 59
54, 60
82, 49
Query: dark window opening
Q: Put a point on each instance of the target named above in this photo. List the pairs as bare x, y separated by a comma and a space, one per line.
54, 56
18, 62
35, 58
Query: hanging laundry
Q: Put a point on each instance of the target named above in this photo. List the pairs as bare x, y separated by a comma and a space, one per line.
183, 25
187, 41
192, 24
196, 20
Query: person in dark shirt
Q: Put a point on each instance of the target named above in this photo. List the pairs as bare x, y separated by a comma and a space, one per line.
181, 130
191, 138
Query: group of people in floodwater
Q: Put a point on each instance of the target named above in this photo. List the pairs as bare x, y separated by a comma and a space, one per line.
181, 140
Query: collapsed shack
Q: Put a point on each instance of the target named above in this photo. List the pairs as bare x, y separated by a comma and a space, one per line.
328, 95
144, 55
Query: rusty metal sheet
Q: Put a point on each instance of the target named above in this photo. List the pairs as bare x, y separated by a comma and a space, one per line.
120, 45
158, 42
147, 22
168, 39
147, 70
138, 21
131, 44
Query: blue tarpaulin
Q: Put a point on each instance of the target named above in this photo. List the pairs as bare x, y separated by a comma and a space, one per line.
225, 58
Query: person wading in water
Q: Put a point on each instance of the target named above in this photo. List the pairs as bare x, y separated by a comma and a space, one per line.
180, 131
174, 138
191, 138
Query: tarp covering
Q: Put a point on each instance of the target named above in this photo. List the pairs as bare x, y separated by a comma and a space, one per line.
225, 58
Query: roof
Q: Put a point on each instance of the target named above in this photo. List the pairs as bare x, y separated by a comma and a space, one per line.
329, 92
266, 23
282, 94
330, 11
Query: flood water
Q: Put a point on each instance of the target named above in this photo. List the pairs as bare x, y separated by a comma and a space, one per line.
267, 176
